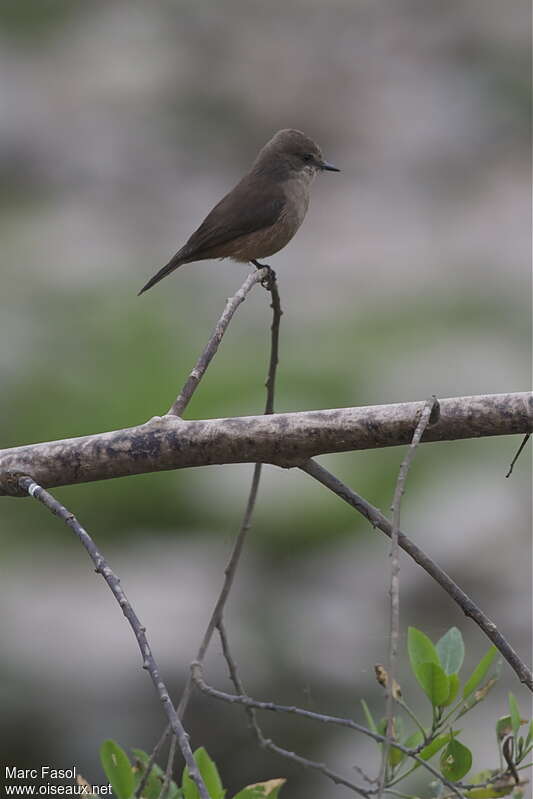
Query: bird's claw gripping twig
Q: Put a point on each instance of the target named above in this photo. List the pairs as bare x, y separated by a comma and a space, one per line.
270, 278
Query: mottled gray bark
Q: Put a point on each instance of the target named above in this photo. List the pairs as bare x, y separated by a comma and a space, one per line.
285, 439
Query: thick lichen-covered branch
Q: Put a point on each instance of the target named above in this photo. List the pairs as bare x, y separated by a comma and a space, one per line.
285, 439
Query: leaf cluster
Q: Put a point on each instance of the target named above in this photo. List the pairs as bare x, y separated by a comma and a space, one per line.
436, 668
125, 777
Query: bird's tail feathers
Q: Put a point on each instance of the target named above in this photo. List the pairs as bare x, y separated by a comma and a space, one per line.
174, 262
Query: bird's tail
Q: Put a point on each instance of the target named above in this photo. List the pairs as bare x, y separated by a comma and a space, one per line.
166, 270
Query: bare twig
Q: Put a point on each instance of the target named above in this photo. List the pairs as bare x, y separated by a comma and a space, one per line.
102, 567
212, 345
229, 576
231, 568
267, 743
334, 776
394, 636
235, 679
519, 452
169, 768
268, 276
284, 439
501, 776
467, 605
247, 701
151, 762
177, 409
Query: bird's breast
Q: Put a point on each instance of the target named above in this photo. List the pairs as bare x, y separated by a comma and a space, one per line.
292, 214
291, 217
297, 199
269, 240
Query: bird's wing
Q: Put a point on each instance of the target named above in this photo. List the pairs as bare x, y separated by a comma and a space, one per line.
254, 204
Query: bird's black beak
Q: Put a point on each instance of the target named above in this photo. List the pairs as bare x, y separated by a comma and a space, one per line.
326, 166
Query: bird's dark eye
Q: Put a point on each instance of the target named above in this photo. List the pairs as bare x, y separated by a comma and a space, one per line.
307, 157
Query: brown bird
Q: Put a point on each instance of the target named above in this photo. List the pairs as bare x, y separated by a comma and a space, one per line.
264, 210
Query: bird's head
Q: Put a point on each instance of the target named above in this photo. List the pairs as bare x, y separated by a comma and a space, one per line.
290, 153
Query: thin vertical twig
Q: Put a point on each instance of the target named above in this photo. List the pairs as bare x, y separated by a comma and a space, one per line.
151, 761
267, 743
394, 633
231, 568
267, 277
210, 349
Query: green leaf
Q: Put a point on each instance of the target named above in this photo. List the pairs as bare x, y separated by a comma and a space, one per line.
396, 756
142, 756
497, 789
434, 746
454, 682
529, 737
369, 717
516, 721
152, 788
269, 789
142, 759
398, 728
426, 666
434, 682
209, 774
455, 761
413, 740
188, 786
503, 727
451, 651
117, 768
478, 696
479, 672
420, 649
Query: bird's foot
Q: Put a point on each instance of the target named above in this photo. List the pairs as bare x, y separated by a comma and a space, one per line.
269, 281
270, 278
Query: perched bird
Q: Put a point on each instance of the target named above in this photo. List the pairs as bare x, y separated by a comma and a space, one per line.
264, 210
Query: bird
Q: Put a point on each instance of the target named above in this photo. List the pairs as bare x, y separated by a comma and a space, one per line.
261, 214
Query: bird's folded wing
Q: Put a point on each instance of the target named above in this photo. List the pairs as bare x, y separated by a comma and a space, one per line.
254, 204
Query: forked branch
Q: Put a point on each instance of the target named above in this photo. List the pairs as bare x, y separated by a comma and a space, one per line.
210, 349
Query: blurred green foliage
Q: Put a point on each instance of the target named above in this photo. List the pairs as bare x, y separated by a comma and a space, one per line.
36, 18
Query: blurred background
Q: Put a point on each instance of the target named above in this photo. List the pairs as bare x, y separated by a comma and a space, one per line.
122, 123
